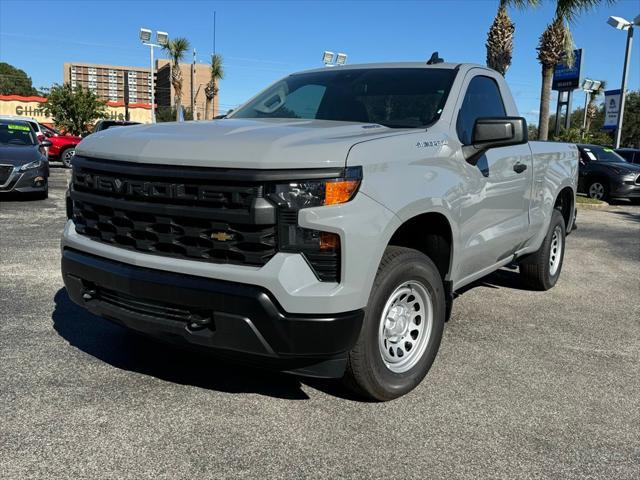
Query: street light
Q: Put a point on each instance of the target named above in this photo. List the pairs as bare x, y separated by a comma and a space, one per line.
327, 58
341, 59
588, 87
162, 38
620, 23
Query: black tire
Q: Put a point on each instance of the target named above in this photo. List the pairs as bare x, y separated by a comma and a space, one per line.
598, 185
535, 269
367, 374
66, 156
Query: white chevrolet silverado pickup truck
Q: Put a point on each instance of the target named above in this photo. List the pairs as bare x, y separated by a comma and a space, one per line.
323, 227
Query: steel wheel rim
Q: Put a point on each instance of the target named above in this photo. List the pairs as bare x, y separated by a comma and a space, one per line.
596, 190
405, 326
555, 252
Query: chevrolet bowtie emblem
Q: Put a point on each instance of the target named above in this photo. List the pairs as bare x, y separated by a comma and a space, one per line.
221, 236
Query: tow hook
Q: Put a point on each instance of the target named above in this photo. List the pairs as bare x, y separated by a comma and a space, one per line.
196, 322
88, 294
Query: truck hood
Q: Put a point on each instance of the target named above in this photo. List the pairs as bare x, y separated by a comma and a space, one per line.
234, 143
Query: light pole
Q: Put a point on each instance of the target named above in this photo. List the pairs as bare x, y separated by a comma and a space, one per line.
620, 23
161, 38
588, 87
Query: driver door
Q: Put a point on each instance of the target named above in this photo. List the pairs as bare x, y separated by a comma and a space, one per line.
494, 216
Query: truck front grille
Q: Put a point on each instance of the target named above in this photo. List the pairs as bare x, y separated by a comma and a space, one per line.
178, 212
174, 235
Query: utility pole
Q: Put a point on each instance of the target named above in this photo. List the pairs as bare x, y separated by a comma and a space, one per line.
623, 88
193, 73
126, 97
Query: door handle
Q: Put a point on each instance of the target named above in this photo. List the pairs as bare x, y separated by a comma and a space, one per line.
519, 167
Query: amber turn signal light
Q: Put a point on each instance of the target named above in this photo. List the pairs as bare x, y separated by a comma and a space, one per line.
340, 191
329, 241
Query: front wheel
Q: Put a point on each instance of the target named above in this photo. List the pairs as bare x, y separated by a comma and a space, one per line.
598, 190
402, 327
67, 156
541, 270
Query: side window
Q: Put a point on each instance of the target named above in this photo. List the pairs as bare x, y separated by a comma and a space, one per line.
482, 99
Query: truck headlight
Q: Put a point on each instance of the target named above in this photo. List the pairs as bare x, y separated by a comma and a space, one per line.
316, 193
31, 165
321, 249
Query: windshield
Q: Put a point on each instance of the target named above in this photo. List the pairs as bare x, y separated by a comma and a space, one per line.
49, 130
394, 97
602, 154
17, 133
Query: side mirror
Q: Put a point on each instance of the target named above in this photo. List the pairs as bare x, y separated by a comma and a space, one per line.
492, 132
46, 143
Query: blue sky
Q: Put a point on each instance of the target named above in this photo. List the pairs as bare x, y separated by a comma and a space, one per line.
262, 41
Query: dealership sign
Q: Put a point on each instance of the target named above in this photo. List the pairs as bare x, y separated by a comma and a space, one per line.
33, 107
611, 109
566, 77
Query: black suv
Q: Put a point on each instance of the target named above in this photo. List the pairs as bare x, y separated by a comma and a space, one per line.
603, 174
631, 155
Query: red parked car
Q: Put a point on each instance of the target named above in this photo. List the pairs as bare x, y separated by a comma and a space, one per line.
63, 146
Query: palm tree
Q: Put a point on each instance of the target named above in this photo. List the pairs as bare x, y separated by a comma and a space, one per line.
500, 37
211, 90
176, 48
592, 110
556, 42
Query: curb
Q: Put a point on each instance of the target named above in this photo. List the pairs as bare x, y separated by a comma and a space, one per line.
592, 206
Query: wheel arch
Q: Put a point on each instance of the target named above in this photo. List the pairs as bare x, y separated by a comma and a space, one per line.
431, 234
565, 203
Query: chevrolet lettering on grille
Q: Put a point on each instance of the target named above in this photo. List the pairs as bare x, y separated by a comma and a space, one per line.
141, 188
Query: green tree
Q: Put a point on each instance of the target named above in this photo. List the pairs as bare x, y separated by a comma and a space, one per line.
211, 91
176, 48
500, 36
631, 121
555, 43
168, 114
74, 110
14, 81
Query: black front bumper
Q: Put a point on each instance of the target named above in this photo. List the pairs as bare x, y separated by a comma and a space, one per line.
243, 321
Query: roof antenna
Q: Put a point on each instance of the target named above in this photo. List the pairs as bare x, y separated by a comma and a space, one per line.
435, 59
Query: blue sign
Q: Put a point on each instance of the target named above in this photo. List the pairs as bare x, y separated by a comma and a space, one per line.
568, 78
611, 109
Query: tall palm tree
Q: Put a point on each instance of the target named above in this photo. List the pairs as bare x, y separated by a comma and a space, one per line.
555, 42
176, 48
211, 90
592, 109
500, 36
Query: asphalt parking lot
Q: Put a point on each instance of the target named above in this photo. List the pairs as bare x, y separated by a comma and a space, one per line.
526, 385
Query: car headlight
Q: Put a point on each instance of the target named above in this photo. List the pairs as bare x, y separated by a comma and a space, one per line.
31, 165
321, 249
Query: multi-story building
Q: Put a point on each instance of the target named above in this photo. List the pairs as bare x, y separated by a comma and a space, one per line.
108, 82
165, 92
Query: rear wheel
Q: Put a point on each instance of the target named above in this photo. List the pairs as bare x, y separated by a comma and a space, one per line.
67, 155
402, 328
541, 270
